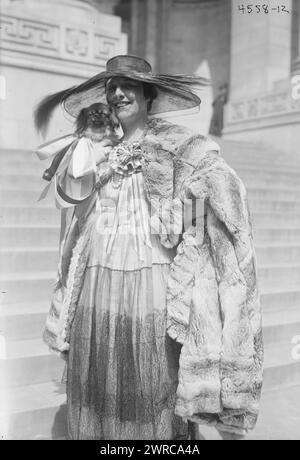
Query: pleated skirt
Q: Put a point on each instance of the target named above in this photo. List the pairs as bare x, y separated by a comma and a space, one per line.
122, 368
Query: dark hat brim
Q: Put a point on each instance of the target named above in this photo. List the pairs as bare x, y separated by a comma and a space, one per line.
174, 92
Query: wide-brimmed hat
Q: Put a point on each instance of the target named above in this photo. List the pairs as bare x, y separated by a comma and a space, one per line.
174, 92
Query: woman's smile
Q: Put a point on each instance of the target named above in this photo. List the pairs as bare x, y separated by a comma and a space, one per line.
120, 104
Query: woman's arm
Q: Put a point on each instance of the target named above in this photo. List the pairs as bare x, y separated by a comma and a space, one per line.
86, 156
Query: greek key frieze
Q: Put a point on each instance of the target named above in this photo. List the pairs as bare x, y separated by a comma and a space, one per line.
253, 108
104, 47
238, 111
264, 106
22, 33
62, 41
77, 42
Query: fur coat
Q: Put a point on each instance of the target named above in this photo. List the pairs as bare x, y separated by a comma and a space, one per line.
213, 305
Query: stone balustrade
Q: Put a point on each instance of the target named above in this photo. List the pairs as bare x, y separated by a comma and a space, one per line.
264, 106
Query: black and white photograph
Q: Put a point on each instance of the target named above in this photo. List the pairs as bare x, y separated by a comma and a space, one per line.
149, 222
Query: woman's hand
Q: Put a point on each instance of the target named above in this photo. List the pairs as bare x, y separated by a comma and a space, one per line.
102, 150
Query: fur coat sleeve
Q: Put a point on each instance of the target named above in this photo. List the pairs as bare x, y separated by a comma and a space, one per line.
213, 300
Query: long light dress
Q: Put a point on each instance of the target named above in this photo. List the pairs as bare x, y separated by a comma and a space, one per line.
122, 366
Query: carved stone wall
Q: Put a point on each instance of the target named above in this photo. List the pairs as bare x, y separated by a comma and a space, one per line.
261, 105
296, 37
46, 46
178, 35
272, 119
39, 29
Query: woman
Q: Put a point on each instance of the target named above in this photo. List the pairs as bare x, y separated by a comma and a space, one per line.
109, 310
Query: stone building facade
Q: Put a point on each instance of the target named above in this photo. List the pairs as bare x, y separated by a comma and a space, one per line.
253, 48
47, 46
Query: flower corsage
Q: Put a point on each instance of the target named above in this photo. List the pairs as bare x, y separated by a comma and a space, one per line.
126, 158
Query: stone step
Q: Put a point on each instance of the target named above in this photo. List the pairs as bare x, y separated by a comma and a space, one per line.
260, 178
280, 367
279, 235
267, 165
263, 175
277, 253
24, 198
269, 426
28, 362
271, 274
24, 182
18, 260
17, 154
43, 404
26, 286
23, 320
275, 219
36, 168
23, 168
254, 152
279, 326
259, 198
33, 183
276, 205
29, 216
253, 181
247, 159
268, 193
35, 286
255, 148
35, 235
29, 198
33, 186
230, 151
48, 215
34, 412
263, 158
31, 165
29, 236
21, 181
21, 158
278, 298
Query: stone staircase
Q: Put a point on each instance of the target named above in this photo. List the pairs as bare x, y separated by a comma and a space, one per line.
32, 397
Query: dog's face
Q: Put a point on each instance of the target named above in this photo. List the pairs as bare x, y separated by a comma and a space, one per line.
98, 117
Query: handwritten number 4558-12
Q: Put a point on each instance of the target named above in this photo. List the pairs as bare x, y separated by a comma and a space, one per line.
262, 9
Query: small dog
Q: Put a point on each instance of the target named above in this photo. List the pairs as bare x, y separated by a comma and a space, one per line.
97, 122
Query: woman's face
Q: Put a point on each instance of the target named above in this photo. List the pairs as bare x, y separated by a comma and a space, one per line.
127, 98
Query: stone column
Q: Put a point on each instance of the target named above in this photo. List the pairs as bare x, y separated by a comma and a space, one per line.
151, 32
106, 6
261, 106
134, 26
260, 49
296, 37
